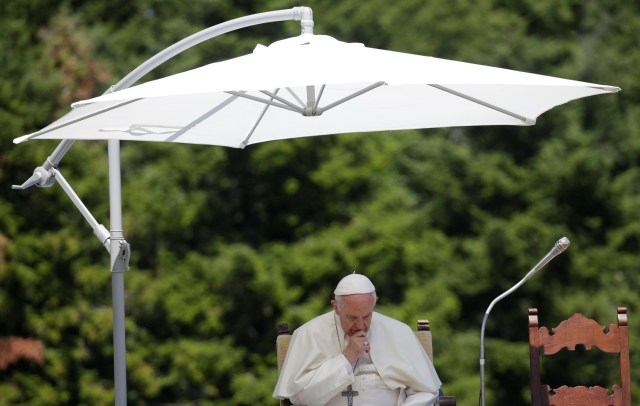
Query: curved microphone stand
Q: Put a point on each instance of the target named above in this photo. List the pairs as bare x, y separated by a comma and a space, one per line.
561, 245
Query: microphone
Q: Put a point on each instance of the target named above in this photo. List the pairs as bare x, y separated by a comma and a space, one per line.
561, 245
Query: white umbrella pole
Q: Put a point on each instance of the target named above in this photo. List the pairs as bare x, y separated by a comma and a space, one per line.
119, 264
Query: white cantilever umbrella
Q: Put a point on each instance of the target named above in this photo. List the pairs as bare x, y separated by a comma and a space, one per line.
314, 85
303, 86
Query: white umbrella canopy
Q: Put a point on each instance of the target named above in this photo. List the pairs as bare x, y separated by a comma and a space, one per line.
314, 85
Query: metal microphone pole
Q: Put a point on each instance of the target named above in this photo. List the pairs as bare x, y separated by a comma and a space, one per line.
561, 245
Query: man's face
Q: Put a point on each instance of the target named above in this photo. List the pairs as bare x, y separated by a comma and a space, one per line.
355, 312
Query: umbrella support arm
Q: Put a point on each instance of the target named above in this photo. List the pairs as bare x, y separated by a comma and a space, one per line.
47, 175
99, 230
302, 14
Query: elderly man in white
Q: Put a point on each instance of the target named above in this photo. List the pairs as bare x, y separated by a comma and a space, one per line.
353, 356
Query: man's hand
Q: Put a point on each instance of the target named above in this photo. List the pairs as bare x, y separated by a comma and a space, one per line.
357, 344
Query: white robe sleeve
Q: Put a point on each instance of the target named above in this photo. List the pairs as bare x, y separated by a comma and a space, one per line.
421, 399
314, 369
324, 383
402, 362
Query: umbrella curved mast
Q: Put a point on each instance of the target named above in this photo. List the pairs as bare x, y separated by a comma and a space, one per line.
47, 174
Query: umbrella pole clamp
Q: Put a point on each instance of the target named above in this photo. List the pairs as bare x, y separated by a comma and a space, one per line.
120, 260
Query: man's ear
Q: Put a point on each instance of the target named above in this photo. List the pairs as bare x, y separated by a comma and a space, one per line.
334, 303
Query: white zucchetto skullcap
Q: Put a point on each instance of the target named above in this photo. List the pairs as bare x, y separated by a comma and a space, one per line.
354, 284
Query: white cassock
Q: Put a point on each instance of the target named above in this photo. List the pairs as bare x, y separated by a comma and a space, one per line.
396, 372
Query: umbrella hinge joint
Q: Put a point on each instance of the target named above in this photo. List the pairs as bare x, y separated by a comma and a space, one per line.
121, 260
312, 111
42, 177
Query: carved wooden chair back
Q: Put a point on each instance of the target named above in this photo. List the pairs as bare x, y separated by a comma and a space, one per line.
579, 330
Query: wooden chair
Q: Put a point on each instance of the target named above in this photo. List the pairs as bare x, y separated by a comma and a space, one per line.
579, 330
423, 334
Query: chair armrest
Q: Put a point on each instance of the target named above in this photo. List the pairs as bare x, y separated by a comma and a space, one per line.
446, 401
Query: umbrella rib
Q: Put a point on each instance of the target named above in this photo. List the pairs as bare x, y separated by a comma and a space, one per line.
95, 113
352, 95
143, 129
525, 120
253, 129
281, 100
315, 107
295, 96
293, 107
201, 118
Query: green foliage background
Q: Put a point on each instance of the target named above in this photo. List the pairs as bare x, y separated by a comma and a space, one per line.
228, 243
